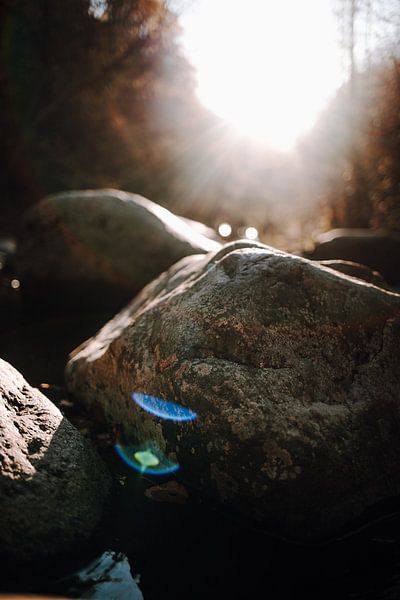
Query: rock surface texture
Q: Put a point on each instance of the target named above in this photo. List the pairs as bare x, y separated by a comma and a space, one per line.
94, 250
379, 250
293, 370
52, 484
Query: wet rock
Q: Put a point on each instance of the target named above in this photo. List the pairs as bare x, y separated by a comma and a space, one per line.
171, 491
356, 270
108, 576
377, 249
293, 370
52, 483
94, 250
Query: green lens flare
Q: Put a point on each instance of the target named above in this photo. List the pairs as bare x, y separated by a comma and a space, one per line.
146, 458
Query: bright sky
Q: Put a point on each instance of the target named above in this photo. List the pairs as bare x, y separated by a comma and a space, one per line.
265, 66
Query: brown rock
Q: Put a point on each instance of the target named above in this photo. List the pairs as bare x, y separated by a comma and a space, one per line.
292, 368
171, 491
377, 249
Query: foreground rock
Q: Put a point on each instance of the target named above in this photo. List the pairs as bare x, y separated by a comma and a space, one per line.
292, 368
108, 576
379, 250
96, 249
52, 484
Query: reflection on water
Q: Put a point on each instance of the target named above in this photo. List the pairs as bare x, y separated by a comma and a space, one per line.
163, 408
146, 458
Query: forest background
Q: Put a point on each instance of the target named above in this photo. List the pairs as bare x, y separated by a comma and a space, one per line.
99, 94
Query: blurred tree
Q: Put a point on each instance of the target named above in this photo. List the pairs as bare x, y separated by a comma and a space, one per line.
383, 151
80, 85
366, 189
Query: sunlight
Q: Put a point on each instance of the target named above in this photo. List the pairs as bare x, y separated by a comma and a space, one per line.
268, 67
251, 233
224, 230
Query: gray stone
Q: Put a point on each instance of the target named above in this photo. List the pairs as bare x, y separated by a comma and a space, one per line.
292, 368
52, 483
93, 250
377, 249
107, 577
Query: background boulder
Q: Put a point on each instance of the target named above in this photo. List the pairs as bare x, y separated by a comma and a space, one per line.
356, 270
377, 249
52, 483
93, 250
292, 368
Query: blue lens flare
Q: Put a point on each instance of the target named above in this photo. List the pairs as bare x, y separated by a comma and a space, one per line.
163, 408
146, 458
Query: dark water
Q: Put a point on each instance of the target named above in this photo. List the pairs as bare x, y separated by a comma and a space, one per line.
195, 551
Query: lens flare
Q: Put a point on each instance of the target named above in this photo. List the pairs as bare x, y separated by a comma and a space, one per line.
163, 408
224, 230
146, 458
251, 233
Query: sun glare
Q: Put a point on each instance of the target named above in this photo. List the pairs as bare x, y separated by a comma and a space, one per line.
266, 67
224, 230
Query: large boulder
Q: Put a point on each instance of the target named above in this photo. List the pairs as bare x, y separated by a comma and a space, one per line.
292, 368
52, 483
94, 250
377, 249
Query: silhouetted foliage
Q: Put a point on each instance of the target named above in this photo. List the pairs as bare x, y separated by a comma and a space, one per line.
365, 188
81, 91
384, 151
366, 192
